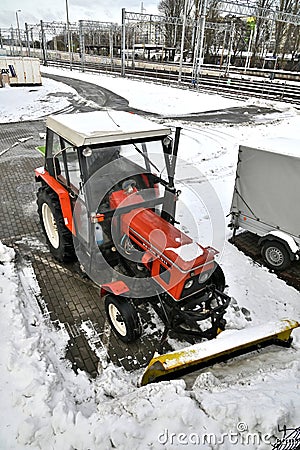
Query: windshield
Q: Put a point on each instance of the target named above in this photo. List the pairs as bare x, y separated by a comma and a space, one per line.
144, 157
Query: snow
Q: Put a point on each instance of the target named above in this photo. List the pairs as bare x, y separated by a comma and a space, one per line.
29, 103
187, 252
164, 100
45, 405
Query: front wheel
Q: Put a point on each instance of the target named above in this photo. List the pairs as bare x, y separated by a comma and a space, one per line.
275, 255
218, 278
123, 318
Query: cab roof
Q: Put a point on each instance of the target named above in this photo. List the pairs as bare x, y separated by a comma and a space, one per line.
100, 127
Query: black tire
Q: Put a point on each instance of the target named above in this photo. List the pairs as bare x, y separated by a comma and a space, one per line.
218, 278
123, 318
275, 255
59, 238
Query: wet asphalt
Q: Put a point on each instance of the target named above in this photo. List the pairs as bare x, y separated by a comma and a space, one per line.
103, 98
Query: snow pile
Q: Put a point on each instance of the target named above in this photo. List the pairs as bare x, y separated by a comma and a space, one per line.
35, 383
262, 402
29, 103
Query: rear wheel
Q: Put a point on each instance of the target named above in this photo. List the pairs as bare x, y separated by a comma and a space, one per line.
59, 238
275, 255
123, 318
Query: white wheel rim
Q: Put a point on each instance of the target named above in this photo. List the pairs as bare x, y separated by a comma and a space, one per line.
274, 256
115, 316
50, 225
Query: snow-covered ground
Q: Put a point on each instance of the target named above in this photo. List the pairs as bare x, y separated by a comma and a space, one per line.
45, 405
29, 103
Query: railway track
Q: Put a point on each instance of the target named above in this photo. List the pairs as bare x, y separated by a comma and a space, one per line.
230, 86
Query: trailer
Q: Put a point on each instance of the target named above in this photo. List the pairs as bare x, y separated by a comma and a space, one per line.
20, 71
266, 198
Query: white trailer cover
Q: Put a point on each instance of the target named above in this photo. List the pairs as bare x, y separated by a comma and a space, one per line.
267, 188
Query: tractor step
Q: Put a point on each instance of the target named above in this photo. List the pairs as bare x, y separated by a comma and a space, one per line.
225, 346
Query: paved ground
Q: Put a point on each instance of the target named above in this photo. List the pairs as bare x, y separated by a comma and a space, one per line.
234, 115
65, 296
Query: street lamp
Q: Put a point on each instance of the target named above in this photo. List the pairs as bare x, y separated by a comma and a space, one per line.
18, 27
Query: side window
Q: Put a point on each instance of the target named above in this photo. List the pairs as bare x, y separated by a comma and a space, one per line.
61, 165
54, 164
62, 160
73, 166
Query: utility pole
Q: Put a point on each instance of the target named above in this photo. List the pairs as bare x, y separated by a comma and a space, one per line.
232, 33
123, 43
248, 58
18, 28
111, 46
27, 38
81, 45
43, 44
198, 54
251, 22
32, 39
182, 39
1, 40
196, 50
69, 35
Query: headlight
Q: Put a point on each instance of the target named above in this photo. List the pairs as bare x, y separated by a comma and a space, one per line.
188, 284
87, 152
167, 141
204, 276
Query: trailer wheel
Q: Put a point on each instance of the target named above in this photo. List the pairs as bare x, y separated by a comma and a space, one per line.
275, 255
59, 238
123, 318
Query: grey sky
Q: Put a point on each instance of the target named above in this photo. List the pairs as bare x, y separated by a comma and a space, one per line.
32, 11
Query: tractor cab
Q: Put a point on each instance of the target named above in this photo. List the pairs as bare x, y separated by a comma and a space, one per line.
91, 156
75, 150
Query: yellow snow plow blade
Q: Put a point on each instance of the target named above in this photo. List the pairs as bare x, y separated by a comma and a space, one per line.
226, 345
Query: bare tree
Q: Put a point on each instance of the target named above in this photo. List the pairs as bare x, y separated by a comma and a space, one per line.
284, 30
172, 8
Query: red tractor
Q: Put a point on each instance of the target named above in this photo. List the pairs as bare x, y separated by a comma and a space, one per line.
104, 200
100, 200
